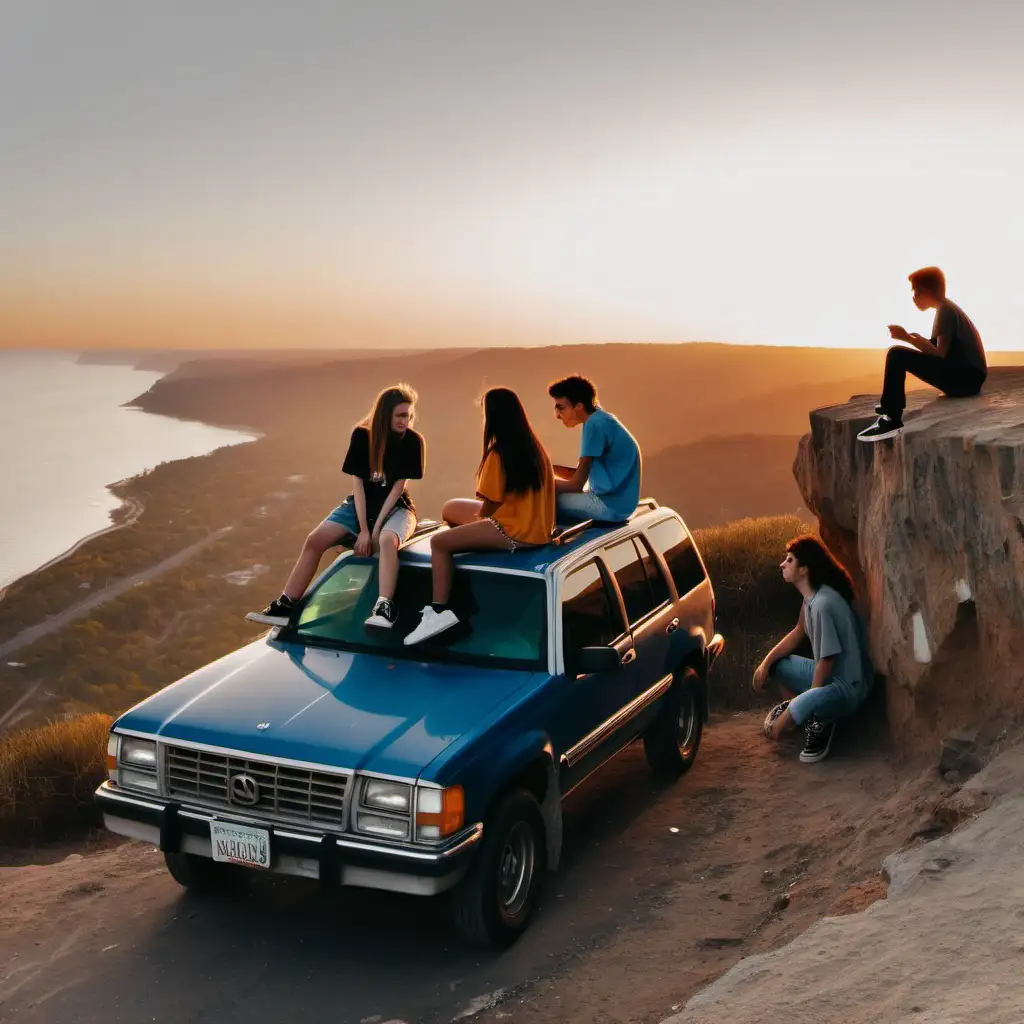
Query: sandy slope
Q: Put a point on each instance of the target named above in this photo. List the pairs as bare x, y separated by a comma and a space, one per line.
946, 946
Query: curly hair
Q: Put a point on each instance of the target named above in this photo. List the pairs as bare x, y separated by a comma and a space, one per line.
823, 569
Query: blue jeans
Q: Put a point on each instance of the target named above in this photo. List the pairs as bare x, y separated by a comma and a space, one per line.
836, 699
575, 506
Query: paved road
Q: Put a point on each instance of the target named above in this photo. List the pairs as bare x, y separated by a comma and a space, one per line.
89, 604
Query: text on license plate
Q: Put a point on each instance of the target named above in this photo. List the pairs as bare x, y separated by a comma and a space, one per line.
240, 844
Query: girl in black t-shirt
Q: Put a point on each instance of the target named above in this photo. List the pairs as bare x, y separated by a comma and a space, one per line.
383, 453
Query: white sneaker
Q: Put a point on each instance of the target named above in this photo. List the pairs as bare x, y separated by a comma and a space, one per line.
431, 623
384, 615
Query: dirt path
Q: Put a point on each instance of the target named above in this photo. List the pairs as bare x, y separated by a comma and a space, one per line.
88, 604
638, 918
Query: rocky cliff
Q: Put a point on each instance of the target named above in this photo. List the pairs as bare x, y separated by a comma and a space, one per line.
931, 524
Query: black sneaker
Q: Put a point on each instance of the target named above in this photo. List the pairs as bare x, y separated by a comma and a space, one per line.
884, 426
277, 613
817, 740
385, 614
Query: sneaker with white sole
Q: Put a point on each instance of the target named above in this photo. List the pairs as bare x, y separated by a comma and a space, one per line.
818, 740
885, 426
384, 614
431, 623
277, 613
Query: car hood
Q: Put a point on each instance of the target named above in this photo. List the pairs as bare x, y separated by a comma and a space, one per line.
358, 711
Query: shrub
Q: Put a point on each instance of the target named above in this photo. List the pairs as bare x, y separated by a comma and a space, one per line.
47, 778
754, 607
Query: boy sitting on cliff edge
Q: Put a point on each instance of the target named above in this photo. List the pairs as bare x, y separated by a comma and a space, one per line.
952, 360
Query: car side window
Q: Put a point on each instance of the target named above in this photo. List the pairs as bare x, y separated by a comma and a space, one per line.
589, 616
624, 560
672, 540
655, 574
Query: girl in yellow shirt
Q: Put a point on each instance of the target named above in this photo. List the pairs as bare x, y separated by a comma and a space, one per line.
514, 506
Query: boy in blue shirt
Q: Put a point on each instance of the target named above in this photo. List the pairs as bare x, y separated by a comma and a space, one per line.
605, 485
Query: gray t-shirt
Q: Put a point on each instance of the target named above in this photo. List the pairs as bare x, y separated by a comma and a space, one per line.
965, 347
835, 631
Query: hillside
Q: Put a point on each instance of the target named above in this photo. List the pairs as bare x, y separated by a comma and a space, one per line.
720, 479
668, 396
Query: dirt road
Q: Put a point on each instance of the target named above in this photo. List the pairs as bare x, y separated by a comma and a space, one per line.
638, 918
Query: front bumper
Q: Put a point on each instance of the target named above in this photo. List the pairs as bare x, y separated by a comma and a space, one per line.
333, 859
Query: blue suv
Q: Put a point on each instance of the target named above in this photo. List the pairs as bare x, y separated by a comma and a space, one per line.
326, 750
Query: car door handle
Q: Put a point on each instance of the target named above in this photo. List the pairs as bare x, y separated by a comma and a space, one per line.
672, 626
629, 656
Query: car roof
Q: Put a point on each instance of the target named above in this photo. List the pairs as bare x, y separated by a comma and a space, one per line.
530, 560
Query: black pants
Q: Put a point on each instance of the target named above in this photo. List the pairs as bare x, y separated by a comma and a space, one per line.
952, 379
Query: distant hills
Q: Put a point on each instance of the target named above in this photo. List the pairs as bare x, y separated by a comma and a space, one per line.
718, 424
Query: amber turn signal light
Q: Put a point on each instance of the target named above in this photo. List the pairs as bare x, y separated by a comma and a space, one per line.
452, 814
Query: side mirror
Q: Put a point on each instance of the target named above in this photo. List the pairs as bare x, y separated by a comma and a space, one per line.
597, 659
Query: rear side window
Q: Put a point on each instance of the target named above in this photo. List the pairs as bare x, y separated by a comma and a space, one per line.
675, 544
589, 619
632, 573
655, 575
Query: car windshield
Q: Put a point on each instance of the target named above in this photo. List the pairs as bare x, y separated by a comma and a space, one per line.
502, 616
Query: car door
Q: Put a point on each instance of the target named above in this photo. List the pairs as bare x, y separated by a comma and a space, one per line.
592, 616
648, 604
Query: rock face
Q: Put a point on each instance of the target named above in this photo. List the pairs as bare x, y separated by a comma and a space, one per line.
931, 524
943, 948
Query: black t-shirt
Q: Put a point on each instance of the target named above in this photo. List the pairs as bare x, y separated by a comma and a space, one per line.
403, 460
965, 347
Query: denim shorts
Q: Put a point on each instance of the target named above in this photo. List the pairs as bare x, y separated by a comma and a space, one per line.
580, 505
836, 699
400, 521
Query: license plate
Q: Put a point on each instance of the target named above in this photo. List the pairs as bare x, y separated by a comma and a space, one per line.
240, 844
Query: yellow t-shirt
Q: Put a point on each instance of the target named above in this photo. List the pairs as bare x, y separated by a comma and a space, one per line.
528, 518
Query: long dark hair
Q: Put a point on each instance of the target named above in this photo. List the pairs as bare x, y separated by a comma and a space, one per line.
823, 569
508, 433
378, 422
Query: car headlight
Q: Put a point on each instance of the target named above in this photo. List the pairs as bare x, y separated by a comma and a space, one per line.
395, 797
378, 825
138, 753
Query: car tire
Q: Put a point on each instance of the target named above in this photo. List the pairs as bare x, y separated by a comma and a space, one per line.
673, 739
493, 904
200, 874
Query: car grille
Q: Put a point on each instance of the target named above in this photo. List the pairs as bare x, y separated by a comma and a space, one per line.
298, 794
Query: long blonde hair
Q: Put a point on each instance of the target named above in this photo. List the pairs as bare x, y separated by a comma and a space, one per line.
378, 422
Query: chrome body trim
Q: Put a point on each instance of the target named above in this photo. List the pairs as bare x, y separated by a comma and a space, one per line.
241, 752
612, 724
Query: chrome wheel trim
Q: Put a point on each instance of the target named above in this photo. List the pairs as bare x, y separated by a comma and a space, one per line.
686, 723
515, 868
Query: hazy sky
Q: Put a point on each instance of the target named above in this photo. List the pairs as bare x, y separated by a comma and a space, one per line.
476, 172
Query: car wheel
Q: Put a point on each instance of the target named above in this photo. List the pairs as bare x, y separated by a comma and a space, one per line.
494, 902
199, 874
673, 739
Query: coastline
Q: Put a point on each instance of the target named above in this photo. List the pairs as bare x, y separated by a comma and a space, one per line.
131, 507
135, 509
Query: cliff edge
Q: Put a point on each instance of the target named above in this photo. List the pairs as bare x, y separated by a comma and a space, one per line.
931, 524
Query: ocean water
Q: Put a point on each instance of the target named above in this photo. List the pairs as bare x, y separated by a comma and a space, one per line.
63, 438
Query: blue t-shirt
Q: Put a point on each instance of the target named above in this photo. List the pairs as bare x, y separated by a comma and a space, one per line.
615, 471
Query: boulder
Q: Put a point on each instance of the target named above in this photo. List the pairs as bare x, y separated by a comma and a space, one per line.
931, 525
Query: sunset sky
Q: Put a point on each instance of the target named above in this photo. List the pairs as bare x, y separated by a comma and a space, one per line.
241, 172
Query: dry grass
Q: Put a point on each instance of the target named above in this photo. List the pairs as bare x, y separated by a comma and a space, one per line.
754, 607
47, 778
